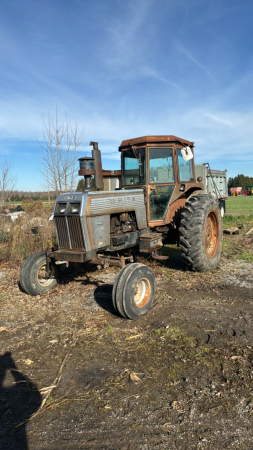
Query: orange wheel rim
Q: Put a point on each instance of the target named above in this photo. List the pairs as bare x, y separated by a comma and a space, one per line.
211, 234
142, 292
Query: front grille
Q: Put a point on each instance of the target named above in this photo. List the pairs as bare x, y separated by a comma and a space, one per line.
75, 232
69, 232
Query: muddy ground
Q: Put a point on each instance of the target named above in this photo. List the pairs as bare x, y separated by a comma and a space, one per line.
78, 376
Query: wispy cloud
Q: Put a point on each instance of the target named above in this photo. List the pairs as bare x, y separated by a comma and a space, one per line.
192, 58
221, 120
126, 38
153, 73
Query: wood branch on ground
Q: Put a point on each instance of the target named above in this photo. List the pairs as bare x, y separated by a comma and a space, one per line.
249, 231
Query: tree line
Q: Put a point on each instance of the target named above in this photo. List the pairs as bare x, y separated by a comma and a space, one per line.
19, 196
240, 181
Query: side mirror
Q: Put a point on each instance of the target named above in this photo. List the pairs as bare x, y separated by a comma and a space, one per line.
186, 153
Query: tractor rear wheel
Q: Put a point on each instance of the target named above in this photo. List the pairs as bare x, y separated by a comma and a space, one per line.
201, 232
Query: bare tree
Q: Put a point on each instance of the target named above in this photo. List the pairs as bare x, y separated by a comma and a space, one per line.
7, 179
62, 142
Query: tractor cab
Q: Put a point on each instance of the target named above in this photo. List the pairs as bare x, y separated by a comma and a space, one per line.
164, 167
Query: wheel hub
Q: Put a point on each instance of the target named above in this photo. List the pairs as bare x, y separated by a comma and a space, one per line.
142, 292
211, 234
43, 277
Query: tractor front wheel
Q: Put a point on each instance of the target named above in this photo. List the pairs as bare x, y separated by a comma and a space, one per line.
201, 233
33, 276
134, 290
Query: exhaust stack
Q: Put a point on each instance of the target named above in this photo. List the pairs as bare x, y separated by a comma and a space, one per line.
92, 166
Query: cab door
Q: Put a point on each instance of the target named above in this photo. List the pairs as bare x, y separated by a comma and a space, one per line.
161, 182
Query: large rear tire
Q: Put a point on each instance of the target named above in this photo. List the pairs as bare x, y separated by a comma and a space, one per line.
134, 291
33, 276
201, 233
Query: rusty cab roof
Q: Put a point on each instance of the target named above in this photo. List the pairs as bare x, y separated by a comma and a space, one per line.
145, 140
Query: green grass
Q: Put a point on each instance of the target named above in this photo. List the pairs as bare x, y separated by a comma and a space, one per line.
237, 251
237, 221
240, 205
239, 213
239, 210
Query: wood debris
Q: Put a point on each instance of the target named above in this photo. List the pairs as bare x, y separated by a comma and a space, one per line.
231, 231
249, 231
134, 377
4, 329
133, 337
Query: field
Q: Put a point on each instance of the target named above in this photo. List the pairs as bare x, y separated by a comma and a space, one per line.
240, 205
75, 375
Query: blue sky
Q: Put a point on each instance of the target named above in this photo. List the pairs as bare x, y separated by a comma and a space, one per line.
124, 69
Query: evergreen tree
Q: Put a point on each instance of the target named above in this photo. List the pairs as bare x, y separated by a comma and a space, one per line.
80, 185
240, 181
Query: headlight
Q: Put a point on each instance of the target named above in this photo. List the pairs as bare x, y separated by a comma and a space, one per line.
61, 208
74, 208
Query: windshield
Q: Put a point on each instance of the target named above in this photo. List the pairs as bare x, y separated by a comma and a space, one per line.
134, 166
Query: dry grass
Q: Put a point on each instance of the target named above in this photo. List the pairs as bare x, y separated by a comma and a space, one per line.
31, 232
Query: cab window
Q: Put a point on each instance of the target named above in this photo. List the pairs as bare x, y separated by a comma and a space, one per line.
161, 168
185, 168
134, 166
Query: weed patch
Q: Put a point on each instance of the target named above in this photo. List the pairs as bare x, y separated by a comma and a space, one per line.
5, 236
30, 233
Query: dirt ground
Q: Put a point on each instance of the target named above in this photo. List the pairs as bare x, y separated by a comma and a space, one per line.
75, 375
